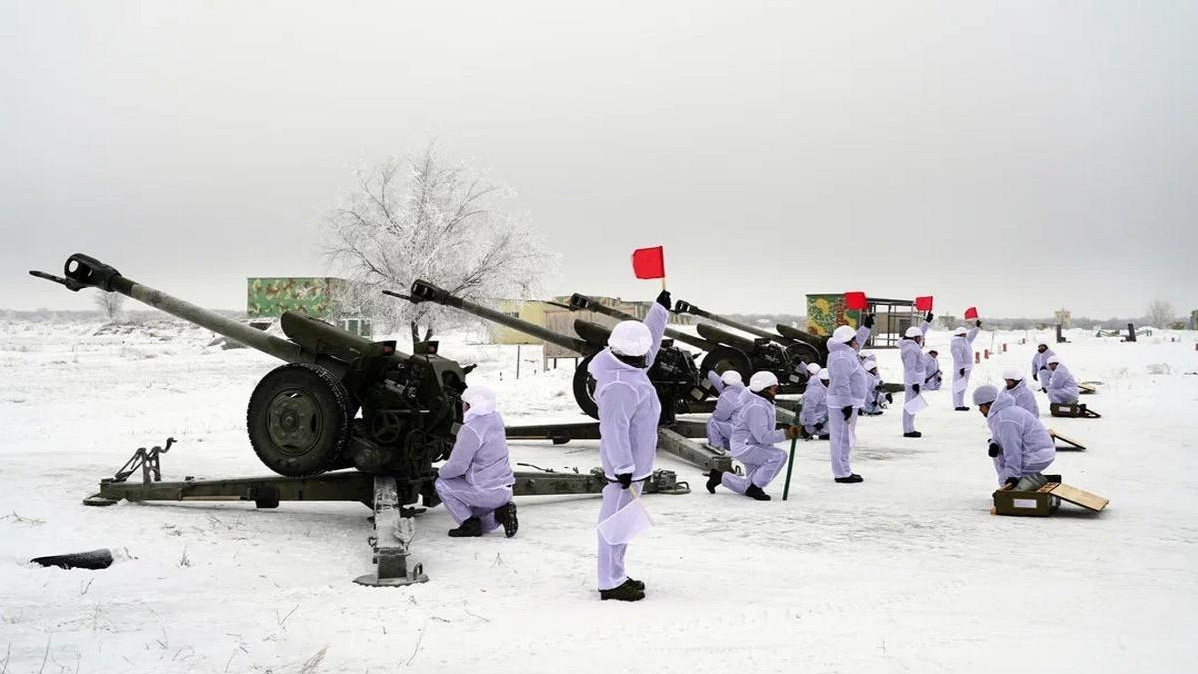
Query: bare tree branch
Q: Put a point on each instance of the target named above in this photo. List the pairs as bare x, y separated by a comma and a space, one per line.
419, 217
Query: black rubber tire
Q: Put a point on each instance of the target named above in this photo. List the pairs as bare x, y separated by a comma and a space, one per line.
584, 389
800, 351
724, 358
325, 397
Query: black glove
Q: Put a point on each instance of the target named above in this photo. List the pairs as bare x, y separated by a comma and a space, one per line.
915, 387
929, 317
868, 321
818, 427
995, 450
962, 372
625, 480
664, 299
1011, 481
978, 323
847, 411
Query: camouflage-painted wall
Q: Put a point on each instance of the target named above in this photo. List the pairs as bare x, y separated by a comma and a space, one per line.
826, 311
269, 297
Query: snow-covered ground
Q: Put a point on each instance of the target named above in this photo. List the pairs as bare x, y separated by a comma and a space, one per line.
905, 572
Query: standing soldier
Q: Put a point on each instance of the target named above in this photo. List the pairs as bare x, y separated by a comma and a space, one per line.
914, 370
846, 393
1040, 371
719, 424
475, 484
962, 350
629, 412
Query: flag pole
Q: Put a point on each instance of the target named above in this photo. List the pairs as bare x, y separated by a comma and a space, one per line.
790, 464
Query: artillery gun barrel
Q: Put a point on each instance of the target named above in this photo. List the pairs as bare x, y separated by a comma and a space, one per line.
684, 307
83, 271
579, 302
711, 332
423, 291
798, 335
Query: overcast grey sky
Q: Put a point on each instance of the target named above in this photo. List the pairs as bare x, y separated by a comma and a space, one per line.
1020, 156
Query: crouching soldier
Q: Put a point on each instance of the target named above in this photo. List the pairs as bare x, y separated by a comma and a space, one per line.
719, 424
875, 397
814, 413
932, 377
1020, 445
754, 433
475, 484
628, 414
1017, 389
1062, 387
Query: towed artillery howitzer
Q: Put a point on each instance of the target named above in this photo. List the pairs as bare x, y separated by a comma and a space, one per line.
302, 422
772, 359
673, 375
784, 356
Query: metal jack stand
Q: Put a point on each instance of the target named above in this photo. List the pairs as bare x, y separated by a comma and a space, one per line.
393, 533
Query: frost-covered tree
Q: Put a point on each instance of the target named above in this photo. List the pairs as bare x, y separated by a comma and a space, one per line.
1160, 314
110, 305
422, 217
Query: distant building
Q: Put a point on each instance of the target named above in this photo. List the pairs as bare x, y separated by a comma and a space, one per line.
267, 297
1064, 318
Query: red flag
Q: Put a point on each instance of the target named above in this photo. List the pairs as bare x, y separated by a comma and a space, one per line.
971, 313
855, 301
923, 303
649, 262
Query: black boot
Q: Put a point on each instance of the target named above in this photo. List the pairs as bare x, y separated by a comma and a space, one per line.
851, 479
637, 584
913, 434
961, 409
627, 591
506, 515
714, 479
471, 527
754, 492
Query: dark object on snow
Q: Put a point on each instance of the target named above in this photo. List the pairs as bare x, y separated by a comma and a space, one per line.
1073, 410
92, 559
630, 590
468, 529
1045, 500
1131, 333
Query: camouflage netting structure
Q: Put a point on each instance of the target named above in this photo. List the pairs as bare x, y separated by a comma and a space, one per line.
269, 297
825, 311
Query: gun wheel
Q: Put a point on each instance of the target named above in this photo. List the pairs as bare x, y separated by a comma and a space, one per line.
724, 358
584, 389
800, 351
298, 420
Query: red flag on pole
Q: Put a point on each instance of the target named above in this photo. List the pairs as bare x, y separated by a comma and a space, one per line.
971, 313
855, 301
923, 303
649, 262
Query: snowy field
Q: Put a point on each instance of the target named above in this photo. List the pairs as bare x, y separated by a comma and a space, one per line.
907, 572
